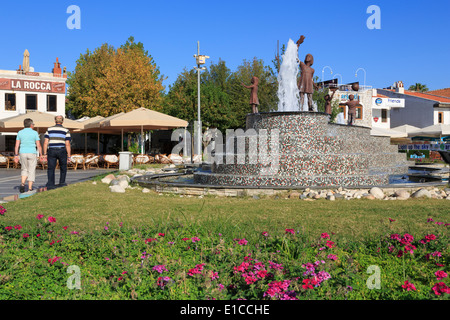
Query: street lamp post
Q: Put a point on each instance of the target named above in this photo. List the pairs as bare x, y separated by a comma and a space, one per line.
331, 71
338, 74
356, 75
201, 60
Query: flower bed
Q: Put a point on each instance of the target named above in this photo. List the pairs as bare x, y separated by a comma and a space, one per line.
177, 262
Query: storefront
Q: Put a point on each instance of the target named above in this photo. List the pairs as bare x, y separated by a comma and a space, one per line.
28, 91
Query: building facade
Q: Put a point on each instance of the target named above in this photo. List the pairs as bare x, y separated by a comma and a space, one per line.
420, 109
23, 91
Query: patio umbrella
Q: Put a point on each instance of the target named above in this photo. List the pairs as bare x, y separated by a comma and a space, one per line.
437, 130
385, 132
94, 125
406, 128
41, 120
142, 119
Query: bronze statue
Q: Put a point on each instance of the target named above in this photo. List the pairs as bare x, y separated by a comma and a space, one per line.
328, 99
254, 102
351, 104
306, 83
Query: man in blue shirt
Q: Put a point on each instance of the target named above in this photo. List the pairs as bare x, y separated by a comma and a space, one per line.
57, 144
28, 148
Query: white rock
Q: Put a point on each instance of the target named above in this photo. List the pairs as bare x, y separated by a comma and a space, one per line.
145, 190
331, 198
421, 193
402, 194
117, 189
377, 193
108, 178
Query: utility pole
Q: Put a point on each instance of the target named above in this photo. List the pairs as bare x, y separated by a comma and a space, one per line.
201, 60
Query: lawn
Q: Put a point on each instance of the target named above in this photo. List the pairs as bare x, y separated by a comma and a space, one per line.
153, 246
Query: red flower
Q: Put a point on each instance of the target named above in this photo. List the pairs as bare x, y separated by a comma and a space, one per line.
51, 219
53, 260
290, 231
26, 235
65, 228
18, 227
8, 228
408, 286
161, 234
325, 236
391, 220
330, 244
149, 240
39, 216
440, 288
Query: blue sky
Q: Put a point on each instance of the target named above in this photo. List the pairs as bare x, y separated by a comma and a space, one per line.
412, 45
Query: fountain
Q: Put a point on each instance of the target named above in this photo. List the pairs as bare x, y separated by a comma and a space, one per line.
309, 151
298, 147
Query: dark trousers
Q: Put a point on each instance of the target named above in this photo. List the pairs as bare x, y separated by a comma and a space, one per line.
54, 155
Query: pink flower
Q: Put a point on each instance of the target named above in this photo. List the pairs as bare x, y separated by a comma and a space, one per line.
408, 286
242, 242
440, 288
160, 268
18, 227
149, 240
163, 281
2, 210
51, 219
332, 257
290, 231
161, 234
436, 253
8, 228
440, 274
214, 275
265, 234
54, 259
195, 239
330, 244
197, 270
325, 236
39, 216
65, 228
26, 235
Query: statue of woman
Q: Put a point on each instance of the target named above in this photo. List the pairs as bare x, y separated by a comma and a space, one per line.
254, 102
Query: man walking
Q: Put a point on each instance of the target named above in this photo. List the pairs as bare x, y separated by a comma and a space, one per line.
57, 148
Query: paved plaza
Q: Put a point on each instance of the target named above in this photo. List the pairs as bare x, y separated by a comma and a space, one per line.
10, 180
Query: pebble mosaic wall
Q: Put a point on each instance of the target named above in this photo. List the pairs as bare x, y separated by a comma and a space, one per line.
312, 152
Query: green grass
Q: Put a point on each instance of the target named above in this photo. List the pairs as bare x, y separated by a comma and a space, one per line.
87, 207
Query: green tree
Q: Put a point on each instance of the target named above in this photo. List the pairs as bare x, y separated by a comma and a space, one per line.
108, 81
418, 87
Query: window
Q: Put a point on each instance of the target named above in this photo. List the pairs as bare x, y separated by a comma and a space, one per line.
10, 101
31, 102
51, 103
384, 115
440, 117
343, 108
359, 112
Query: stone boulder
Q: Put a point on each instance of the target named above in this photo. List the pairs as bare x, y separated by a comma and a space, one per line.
421, 193
377, 193
108, 178
402, 194
117, 189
